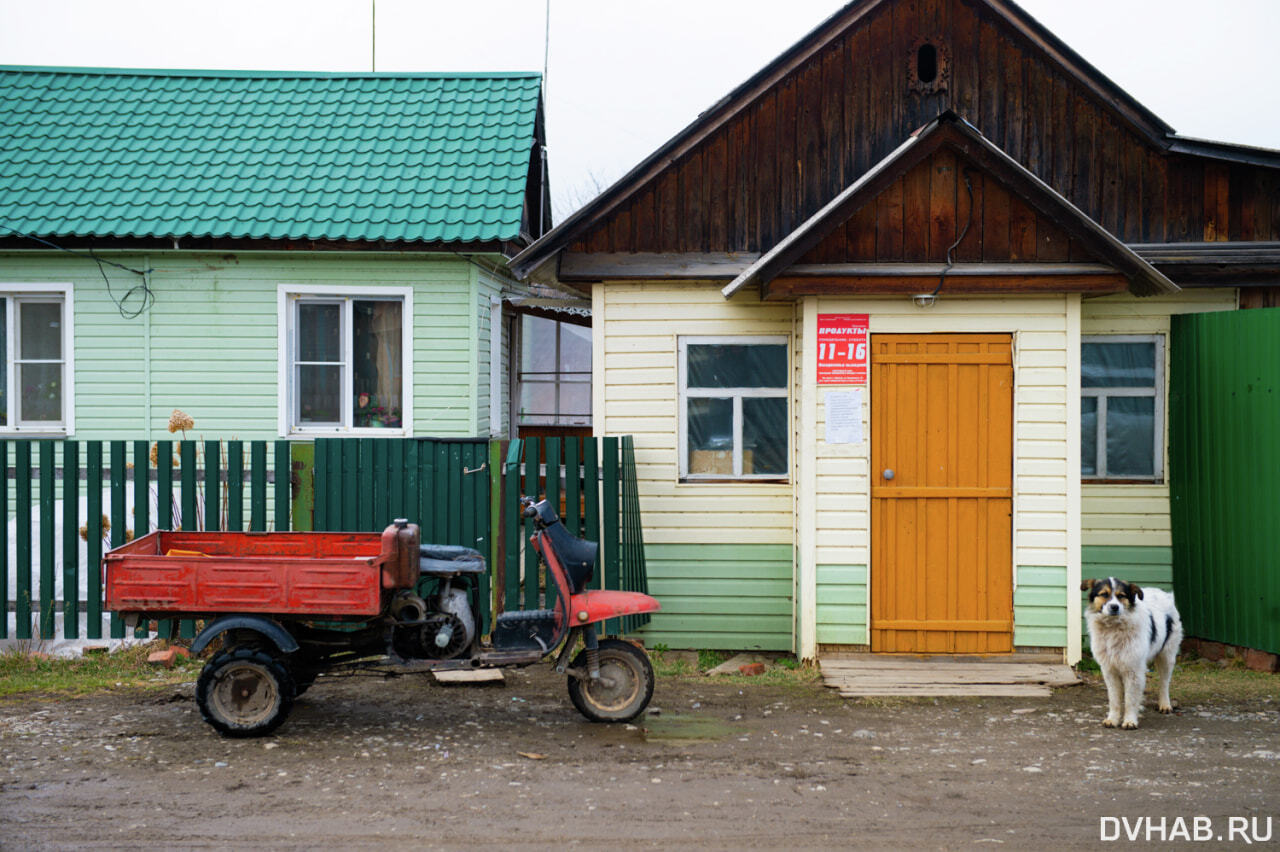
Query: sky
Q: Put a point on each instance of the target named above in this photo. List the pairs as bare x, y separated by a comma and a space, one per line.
624, 76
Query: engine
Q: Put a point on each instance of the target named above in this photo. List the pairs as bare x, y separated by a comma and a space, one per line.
439, 627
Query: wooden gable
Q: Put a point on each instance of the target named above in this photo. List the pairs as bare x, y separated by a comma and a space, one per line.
773, 152
949, 202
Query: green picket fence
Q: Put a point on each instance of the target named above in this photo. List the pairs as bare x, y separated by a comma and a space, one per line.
70, 501
592, 481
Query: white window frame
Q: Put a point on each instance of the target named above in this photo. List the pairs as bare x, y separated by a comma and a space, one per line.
13, 294
287, 298
737, 394
1101, 474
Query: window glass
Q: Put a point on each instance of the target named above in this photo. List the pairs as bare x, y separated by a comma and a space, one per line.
1111, 365
1089, 436
319, 332
555, 373
1130, 425
376, 351
764, 435
319, 394
710, 435
40, 334
41, 392
736, 365
1121, 408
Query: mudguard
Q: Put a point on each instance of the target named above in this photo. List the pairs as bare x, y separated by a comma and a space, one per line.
269, 629
598, 605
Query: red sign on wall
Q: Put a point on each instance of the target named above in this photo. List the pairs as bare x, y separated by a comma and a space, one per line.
842, 349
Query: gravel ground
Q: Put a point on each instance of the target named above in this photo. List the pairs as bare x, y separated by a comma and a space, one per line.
717, 764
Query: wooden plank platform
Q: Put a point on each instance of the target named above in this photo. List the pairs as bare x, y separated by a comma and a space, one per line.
864, 675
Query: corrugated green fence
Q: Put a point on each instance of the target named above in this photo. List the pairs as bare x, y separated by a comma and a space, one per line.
363, 484
72, 500
1224, 459
593, 482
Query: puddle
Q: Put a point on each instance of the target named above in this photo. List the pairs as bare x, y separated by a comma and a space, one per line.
687, 728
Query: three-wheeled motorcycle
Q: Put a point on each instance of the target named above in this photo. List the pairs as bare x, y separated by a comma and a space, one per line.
289, 606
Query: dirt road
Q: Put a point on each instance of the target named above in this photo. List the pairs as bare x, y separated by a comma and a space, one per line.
405, 763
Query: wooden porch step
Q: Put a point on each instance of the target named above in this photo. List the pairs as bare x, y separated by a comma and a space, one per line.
858, 675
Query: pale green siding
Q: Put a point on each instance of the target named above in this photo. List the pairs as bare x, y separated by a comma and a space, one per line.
733, 596
1040, 607
842, 605
209, 345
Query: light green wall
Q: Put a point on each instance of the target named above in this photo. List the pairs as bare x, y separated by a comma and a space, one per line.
1040, 606
209, 344
730, 596
842, 605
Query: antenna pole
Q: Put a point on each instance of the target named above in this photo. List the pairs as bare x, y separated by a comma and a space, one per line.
373, 35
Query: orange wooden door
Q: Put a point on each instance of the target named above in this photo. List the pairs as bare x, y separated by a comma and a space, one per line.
941, 541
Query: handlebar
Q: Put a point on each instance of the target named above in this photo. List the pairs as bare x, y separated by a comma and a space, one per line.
527, 507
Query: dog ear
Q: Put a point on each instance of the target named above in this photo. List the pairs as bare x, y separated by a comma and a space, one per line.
1086, 585
1135, 592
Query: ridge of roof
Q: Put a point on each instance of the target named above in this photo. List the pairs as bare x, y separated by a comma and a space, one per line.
266, 74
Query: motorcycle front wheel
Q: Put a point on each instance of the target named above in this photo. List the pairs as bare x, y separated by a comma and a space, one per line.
624, 688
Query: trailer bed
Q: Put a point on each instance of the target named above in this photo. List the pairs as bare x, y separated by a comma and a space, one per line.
201, 573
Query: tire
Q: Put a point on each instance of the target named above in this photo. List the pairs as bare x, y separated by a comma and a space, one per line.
624, 688
244, 692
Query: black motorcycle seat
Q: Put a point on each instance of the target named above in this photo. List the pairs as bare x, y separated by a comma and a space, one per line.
449, 559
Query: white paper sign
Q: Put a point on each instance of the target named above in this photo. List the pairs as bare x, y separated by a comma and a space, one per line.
844, 416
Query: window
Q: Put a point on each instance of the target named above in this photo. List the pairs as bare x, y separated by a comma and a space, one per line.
35, 386
1122, 407
344, 361
733, 408
555, 373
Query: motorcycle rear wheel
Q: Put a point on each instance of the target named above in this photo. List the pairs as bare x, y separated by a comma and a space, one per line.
624, 688
244, 692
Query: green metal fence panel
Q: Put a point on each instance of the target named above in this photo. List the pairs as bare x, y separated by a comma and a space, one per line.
93, 539
164, 485
283, 485
258, 486
212, 501
4, 542
235, 486
117, 527
22, 490
70, 539
1224, 459
47, 534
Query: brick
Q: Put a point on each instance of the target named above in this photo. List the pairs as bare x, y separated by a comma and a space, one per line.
1261, 661
167, 657
751, 669
1212, 650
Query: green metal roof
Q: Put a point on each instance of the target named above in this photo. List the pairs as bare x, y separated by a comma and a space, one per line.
264, 155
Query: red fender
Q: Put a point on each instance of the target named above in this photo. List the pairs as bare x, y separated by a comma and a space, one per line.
597, 605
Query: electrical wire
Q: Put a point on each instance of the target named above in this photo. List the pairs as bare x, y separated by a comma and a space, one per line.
968, 185
147, 297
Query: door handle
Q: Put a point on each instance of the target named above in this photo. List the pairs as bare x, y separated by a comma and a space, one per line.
888, 473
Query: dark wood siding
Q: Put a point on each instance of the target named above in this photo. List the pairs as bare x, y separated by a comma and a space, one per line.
774, 163
921, 214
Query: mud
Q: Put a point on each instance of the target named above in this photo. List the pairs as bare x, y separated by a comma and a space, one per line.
717, 764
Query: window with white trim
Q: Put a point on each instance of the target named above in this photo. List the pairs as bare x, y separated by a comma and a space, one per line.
346, 361
34, 380
733, 408
1122, 407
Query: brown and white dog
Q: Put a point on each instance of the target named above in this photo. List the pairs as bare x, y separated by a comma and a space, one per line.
1130, 627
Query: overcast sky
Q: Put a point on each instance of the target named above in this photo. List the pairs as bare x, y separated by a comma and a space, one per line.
626, 75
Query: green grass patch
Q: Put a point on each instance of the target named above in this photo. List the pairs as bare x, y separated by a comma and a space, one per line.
1207, 682
32, 673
